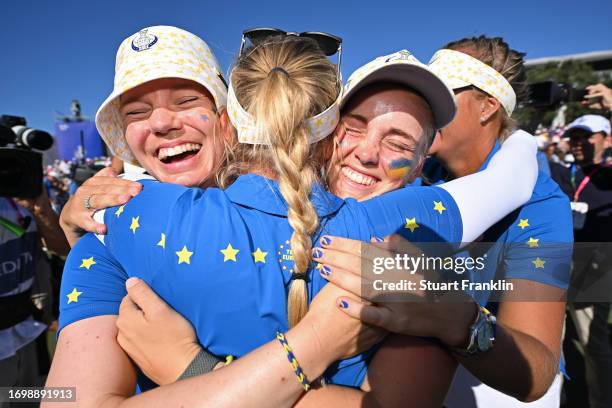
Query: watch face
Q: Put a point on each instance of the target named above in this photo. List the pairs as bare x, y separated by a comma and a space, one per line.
485, 334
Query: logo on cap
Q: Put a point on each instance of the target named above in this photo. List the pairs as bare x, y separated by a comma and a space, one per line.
400, 56
144, 41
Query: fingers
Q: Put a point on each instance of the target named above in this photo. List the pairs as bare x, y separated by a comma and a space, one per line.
144, 297
107, 171
107, 200
330, 257
378, 316
342, 278
340, 244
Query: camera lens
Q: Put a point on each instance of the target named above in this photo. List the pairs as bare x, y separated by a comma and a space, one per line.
36, 139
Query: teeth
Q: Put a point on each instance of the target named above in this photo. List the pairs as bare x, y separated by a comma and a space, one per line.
166, 152
358, 177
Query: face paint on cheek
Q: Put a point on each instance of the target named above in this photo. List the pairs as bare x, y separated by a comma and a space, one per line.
398, 168
197, 118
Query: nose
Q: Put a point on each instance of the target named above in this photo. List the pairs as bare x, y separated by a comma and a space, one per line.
367, 152
163, 121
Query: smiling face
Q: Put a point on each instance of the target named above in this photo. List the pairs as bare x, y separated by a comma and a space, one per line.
172, 128
380, 132
586, 147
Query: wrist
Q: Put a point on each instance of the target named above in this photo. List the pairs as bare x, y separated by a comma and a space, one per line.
457, 334
308, 349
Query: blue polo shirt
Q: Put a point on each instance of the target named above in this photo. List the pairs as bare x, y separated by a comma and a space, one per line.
533, 242
222, 258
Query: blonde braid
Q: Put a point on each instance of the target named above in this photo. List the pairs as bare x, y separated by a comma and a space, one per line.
280, 100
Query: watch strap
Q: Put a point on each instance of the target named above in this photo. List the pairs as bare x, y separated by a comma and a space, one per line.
203, 363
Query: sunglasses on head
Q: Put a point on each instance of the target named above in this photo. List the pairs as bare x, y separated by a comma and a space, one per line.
328, 43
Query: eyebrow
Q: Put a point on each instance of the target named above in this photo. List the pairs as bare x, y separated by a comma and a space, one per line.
400, 132
356, 117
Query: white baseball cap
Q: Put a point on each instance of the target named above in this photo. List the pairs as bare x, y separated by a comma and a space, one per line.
154, 53
591, 123
403, 68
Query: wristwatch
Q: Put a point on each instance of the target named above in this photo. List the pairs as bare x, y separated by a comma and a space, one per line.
482, 334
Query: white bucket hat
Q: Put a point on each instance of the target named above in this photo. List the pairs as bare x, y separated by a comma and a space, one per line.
402, 67
154, 53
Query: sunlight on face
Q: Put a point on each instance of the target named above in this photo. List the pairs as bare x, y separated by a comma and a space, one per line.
172, 127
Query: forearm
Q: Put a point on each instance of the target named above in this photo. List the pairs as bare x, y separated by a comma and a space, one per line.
337, 396
48, 225
263, 377
533, 366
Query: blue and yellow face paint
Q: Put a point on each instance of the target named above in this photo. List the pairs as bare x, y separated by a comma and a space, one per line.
398, 168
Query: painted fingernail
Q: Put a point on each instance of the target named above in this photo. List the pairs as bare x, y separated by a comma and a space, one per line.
317, 253
325, 270
379, 239
325, 240
343, 304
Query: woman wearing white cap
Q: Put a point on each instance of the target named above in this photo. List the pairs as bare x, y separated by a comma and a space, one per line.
299, 240
488, 78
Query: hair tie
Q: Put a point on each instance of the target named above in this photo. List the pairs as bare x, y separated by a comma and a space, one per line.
303, 276
279, 69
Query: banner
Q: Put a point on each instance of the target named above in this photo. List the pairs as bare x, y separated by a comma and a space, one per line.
70, 135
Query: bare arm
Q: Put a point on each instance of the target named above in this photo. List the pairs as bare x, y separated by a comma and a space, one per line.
405, 372
90, 358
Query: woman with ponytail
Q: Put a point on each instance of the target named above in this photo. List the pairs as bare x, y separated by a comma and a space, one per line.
236, 262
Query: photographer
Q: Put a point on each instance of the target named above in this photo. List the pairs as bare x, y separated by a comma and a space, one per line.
24, 225
599, 96
588, 183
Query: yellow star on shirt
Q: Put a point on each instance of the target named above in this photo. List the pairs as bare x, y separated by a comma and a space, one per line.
259, 256
229, 253
539, 263
533, 242
184, 255
162, 241
119, 211
87, 263
134, 226
73, 296
438, 206
411, 224
523, 223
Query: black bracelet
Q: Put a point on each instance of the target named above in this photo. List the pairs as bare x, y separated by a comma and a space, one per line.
203, 363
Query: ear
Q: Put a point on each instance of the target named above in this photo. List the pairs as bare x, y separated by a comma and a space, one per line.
227, 129
490, 106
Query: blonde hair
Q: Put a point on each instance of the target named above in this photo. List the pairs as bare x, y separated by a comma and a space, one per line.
496, 53
281, 83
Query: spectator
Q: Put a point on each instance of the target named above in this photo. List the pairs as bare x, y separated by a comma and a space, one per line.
588, 183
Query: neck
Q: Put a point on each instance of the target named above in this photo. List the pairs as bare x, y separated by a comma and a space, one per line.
470, 156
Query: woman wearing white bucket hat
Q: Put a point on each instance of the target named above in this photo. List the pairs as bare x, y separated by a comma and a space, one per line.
242, 126
168, 85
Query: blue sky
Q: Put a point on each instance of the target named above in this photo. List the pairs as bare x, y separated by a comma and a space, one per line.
55, 51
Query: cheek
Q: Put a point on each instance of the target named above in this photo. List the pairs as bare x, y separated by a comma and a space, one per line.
201, 119
136, 136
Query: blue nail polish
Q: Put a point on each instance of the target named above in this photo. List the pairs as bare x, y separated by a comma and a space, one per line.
379, 239
317, 253
326, 240
326, 270
343, 304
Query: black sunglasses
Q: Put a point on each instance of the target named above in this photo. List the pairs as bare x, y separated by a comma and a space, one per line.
329, 44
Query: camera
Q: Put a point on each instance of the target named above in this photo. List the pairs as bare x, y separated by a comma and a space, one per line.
549, 94
21, 167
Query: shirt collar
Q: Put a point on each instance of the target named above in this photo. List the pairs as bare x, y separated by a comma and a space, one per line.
260, 193
494, 150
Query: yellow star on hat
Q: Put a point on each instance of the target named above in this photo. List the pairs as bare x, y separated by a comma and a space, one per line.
229, 253
523, 223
